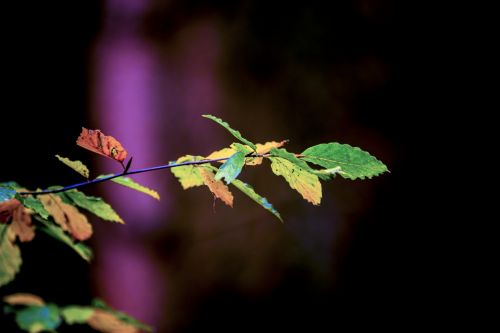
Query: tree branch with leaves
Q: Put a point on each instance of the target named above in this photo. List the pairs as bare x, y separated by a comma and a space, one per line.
56, 210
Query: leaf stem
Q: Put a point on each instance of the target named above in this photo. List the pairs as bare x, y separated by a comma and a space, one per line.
132, 172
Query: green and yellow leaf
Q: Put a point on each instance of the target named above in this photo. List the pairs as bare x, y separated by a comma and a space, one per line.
10, 257
303, 181
94, 205
78, 166
77, 314
130, 183
250, 192
188, 175
235, 133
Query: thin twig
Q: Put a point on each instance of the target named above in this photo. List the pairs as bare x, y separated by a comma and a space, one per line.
132, 172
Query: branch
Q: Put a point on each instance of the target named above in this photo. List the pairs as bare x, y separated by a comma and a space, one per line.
132, 172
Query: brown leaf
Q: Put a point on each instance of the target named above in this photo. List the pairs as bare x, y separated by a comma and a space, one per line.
218, 188
21, 226
7, 209
105, 145
23, 299
108, 323
67, 216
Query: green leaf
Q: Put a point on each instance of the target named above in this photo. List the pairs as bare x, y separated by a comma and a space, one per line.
353, 162
248, 190
77, 314
59, 234
33, 204
304, 182
188, 175
94, 205
6, 192
78, 166
10, 257
298, 162
235, 133
99, 304
231, 168
36, 319
130, 183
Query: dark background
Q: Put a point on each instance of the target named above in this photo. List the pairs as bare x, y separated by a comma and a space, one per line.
311, 72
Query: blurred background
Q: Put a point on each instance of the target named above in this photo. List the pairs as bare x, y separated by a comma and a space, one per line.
145, 71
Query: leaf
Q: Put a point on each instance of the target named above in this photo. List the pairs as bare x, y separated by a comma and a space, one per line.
217, 187
21, 225
354, 162
105, 145
23, 299
7, 209
188, 175
248, 190
78, 166
106, 322
6, 193
235, 133
224, 152
94, 205
130, 183
33, 204
77, 314
304, 182
231, 168
99, 304
10, 257
264, 149
57, 233
67, 216
36, 319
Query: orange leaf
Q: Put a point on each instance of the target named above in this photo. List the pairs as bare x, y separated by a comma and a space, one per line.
108, 323
23, 299
218, 188
21, 225
105, 145
7, 209
67, 216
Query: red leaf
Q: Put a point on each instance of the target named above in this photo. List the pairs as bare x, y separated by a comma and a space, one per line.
105, 145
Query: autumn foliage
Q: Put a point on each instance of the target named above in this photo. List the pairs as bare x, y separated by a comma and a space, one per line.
56, 210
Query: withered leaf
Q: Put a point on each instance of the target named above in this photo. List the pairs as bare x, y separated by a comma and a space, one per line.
105, 145
107, 322
21, 226
7, 209
23, 299
217, 187
67, 216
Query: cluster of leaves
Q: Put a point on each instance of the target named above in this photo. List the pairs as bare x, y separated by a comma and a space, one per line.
34, 315
332, 158
56, 210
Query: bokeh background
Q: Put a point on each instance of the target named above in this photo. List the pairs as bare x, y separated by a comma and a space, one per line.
145, 71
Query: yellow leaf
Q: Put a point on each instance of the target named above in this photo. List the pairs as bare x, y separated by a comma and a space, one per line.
217, 187
304, 182
188, 175
23, 299
67, 216
75, 165
225, 152
264, 149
